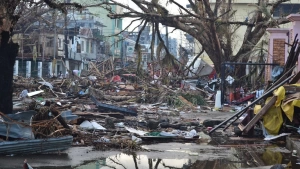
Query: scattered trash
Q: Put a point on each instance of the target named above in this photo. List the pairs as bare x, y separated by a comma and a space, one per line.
294, 153
24, 94
103, 140
26, 165
191, 134
270, 137
46, 84
136, 139
106, 109
35, 93
121, 124
91, 125
138, 132
193, 154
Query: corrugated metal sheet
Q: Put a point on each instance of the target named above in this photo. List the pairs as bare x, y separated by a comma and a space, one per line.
36, 146
16, 130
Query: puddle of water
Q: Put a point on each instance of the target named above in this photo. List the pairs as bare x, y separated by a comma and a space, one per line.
241, 158
177, 156
132, 161
125, 161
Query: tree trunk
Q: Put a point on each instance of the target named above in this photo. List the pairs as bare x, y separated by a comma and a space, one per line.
8, 53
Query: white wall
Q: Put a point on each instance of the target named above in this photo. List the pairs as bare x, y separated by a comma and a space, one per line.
243, 11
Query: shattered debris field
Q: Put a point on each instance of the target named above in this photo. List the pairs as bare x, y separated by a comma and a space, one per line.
116, 120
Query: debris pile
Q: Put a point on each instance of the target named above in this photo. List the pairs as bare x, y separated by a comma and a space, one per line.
275, 112
102, 107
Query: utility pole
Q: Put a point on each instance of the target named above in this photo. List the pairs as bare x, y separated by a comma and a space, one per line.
66, 41
167, 37
52, 65
22, 50
55, 34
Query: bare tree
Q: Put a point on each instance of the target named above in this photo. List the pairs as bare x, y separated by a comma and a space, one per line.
212, 25
10, 13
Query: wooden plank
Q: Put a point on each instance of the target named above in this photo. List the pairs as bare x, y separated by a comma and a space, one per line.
229, 124
256, 158
99, 115
294, 96
241, 127
295, 78
291, 89
269, 91
290, 98
246, 139
259, 115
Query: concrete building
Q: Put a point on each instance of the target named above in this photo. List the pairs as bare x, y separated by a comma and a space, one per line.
113, 26
278, 44
243, 12
44, 52
145, 42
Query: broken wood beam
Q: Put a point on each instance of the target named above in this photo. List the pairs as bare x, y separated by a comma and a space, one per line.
25, 85
296, 78
289, 98
241, 127
96, 92
113, 107
259, 115
237, 117
118, 98
291, 89
245, 121
255, 157
99, 115
251, 104
61, 120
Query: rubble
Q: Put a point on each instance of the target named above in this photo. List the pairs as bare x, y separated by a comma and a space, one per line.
274, 113
108, 108
104, 108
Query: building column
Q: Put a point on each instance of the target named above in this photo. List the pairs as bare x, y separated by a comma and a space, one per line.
28, 69
40, 69
278, 49
295, 18
50, 68
67, 65
55, 69
81, 66
16, 68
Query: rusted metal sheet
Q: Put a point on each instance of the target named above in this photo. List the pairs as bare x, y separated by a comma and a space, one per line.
36, 146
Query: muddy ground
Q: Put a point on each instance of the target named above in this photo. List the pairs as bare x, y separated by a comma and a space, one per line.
221, 153
77, 156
